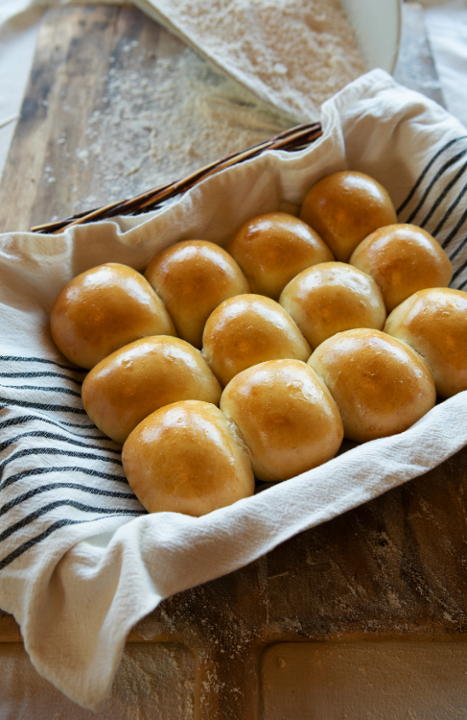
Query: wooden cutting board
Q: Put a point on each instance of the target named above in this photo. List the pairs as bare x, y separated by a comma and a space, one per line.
391, 570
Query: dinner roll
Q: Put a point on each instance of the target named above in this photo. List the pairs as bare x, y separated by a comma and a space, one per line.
272, 248
249, 329
381, 385
103, 309
128, 385
286, 416
434, 323
328, 298
192, 277
185, 458
344, 208
402, 259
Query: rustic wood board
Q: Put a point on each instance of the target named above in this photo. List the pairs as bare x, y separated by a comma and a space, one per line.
391, 569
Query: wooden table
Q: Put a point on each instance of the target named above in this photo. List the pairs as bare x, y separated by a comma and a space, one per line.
391, 570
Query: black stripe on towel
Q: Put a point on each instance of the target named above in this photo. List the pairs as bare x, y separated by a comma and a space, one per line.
28, 519
54, 436
42, 406
63, 469
55, 451
69, 486
16, 358
443, 194
434, 180
66, 391
422, 175
39, 375
62, 424
454, 232
52, 528
459, 272
448, 213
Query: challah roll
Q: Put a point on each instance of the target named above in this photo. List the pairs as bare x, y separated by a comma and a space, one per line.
103, 309
141, 377
402, 259
272, 248
344, 208
381, 386
192, 277
286, 416
249, 329
434, 323
185, 458
331, 297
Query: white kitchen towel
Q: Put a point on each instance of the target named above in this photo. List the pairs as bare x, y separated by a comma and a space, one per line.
80, 560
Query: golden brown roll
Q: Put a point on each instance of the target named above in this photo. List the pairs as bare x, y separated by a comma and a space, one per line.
402, 259
192, 277
103, 309
344, 208
136, 380
249, 329
434, 323
381, 385
185, 458
272, 248
286, 416
331, 297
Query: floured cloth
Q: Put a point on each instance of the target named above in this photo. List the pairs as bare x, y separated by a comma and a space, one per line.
293, 54
80, 560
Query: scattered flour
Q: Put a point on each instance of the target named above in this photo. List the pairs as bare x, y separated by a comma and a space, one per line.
293, 53
160, 121
162, 116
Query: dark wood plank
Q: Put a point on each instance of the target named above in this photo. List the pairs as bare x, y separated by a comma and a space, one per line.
71, 58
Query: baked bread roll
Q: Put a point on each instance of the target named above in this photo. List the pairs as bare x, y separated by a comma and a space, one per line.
381, 385
402, 259
185, 458
103, 309
344, 208
272, 248
434, 323
141, 377
331, 297
286, 416
247, 330
192, 277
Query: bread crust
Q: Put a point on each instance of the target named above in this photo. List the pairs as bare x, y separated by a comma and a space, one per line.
185, 458
434, 323
403, 259
344, 208
273, 248
331, 297
103, 309
141, 377
193, 277
249, 329
381, 385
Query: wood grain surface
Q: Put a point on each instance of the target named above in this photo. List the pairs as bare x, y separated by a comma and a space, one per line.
393, 569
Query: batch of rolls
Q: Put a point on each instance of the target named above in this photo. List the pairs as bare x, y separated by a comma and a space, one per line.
219, 366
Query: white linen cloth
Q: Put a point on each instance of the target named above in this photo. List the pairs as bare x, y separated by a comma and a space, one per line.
80, 561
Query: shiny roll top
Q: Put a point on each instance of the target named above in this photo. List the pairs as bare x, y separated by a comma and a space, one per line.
193, 277
381, 386
186, 458
249, 329
272, 248
104, 309
344, 208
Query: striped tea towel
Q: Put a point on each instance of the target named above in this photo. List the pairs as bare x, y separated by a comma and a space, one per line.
80, 560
